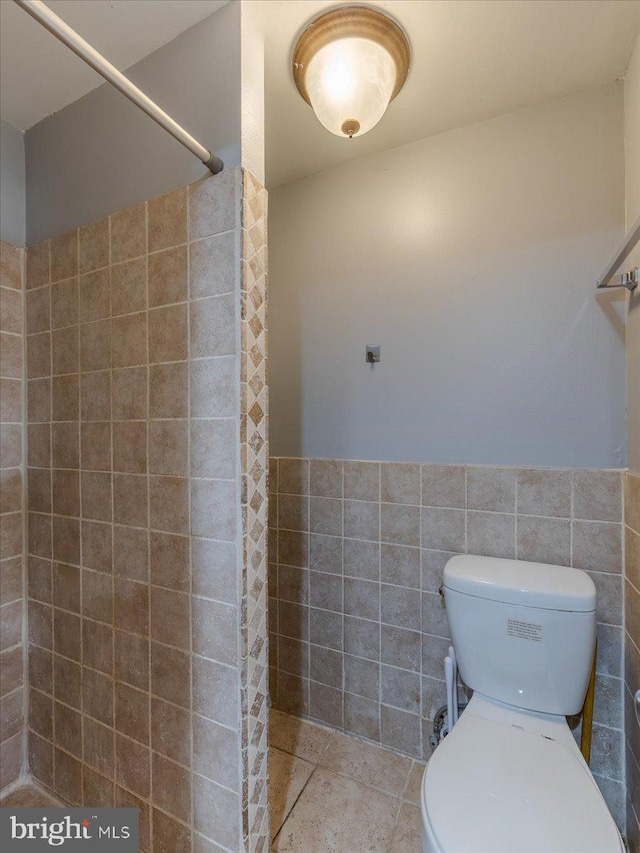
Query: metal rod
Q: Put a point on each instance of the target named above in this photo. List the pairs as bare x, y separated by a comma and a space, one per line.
83, 49
628, 280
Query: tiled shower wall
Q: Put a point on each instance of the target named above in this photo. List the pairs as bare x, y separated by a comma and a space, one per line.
254, 464
138, 654
357, 549
632, 656
11, 514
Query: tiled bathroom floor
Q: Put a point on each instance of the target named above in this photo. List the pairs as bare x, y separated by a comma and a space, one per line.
28, 797
331, 793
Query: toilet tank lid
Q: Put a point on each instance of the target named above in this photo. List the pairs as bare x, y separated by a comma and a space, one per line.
518, 582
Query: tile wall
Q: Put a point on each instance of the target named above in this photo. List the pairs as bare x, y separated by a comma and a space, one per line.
11, 515
138, 684
632, 655
254, 462
356, 550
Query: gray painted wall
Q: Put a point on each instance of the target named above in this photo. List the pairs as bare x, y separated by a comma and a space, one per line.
12, 185
471, 258
101, 153
632, 175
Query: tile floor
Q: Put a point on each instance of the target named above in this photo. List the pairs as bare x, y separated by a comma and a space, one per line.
331, 793
28, 796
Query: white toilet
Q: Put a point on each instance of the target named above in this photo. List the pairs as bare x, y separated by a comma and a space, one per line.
510, 778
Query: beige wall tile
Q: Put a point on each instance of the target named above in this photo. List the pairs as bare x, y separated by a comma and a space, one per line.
170, 564
93, 245
169, 504
170, 674
213, 326
65, 350
597, 495
95, 295
168, 334
95, 345
64, 256
597, 546
168, 447
213, 512
130, 499
11, 263
37, 268
97, 546
213, 205
168, 277
129, 287
131, 553
132, 713
66, 492
543, 491
170, 617
171, 731
213, 385
11, 399
95, 439
168, 220
129, 341
95, 396
38, 311
97, 596
97, 646
64, 303
171, 787
168, 390
492, 489
97, 503
130, 446
38, 355
213, 265
129, 389
66, 444
132, 660
39, 400
128, 233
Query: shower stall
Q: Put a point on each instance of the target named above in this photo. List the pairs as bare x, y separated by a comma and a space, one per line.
134, 497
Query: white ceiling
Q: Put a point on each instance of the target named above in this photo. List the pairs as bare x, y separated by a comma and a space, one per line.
39, 75
472, 60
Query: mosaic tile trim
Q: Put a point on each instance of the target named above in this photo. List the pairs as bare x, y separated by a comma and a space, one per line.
254, 445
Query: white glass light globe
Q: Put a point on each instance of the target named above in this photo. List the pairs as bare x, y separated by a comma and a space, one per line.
350, 83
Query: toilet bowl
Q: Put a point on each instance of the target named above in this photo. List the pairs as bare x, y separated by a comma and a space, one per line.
509, 777
509, 781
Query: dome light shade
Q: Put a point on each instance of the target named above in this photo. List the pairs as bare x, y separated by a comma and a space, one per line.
348, 65
350, 83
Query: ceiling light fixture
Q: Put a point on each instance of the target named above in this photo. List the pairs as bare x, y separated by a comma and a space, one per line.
348, 65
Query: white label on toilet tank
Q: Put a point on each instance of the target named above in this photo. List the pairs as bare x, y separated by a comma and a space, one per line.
524, 630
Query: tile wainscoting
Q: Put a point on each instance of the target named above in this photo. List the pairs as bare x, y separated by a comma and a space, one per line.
358, 631
12, 650
632, 655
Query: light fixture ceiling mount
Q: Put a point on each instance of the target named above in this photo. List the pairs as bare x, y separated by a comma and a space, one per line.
348, 65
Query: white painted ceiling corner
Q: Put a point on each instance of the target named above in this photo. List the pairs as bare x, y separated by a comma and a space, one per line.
40, 76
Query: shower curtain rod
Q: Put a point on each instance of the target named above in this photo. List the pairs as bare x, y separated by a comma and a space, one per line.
626, 279
83, 49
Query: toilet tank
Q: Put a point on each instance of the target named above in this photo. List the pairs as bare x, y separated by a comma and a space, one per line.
524, 633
